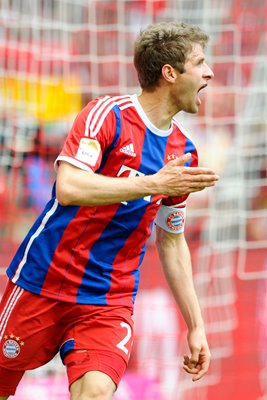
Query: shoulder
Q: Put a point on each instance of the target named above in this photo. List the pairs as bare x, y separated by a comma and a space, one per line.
100, 109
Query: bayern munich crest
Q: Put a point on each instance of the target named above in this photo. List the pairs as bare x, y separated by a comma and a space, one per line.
175, 220
12, 346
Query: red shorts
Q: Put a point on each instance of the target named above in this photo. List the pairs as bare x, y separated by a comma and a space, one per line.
33, 329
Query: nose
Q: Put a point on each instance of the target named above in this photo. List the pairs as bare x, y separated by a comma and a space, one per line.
208, 73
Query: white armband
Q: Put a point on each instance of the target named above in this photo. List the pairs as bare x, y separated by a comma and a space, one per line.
171, 218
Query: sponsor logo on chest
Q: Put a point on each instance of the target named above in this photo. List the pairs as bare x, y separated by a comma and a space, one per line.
129, 150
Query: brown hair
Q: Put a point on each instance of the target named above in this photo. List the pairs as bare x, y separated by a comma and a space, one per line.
164, 43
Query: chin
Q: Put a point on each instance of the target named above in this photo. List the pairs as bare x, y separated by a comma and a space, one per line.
192, 110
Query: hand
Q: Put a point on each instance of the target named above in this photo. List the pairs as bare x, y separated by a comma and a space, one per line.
199, 361
178, 180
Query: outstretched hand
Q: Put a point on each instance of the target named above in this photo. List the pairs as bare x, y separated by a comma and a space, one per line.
178, 180
199, 361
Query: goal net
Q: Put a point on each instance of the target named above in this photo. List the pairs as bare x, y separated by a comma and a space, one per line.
55, 56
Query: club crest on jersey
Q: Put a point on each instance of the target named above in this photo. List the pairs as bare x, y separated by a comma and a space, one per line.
12, 346
171, 157
175, 220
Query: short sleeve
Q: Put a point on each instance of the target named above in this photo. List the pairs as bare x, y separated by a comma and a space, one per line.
84, 146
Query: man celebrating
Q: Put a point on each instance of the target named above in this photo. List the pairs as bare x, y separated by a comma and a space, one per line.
125, 164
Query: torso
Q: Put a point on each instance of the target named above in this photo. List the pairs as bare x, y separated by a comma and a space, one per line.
92, 255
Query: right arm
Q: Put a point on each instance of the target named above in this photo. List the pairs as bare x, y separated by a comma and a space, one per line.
78, 187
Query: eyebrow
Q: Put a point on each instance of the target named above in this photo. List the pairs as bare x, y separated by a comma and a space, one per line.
198, 58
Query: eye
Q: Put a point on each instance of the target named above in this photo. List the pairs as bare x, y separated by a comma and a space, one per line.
201, 61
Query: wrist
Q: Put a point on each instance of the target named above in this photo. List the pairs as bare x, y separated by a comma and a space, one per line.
195, 327
151, 185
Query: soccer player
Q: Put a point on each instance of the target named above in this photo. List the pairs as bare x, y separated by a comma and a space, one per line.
126, 163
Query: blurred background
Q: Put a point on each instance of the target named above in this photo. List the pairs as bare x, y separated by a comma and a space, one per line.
55, 56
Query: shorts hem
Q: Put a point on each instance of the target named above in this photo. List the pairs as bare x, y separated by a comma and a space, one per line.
76, 370
9, 376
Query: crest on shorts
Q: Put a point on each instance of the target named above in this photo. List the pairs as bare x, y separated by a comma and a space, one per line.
12, 346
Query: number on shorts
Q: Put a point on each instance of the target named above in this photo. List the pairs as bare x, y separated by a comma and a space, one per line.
126, 339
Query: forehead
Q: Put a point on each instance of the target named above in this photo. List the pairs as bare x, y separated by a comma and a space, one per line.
196, 52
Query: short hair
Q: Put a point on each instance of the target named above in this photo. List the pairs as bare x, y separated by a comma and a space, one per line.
164, 43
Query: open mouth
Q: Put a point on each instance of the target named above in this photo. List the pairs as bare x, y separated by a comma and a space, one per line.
198, 98
202, 87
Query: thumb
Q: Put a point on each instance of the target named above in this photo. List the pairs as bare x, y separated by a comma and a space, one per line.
193, 360
183, 159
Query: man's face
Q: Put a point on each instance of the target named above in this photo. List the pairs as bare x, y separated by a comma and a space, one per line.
185, 91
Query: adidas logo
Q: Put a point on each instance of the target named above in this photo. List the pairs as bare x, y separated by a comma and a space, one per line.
129, 150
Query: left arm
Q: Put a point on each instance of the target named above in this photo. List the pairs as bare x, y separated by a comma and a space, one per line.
176, 262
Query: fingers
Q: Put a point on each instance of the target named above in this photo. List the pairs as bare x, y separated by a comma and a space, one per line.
191, 364
204, 177
199, 178
198, 366
198, 171
182, 159
196, 175
177, 179
199, 183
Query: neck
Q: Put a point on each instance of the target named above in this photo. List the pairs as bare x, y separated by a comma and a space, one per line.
158, 108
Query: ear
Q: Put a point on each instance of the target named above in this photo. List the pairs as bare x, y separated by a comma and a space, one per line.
169, 73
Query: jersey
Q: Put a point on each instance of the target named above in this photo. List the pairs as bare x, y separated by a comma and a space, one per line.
92, 255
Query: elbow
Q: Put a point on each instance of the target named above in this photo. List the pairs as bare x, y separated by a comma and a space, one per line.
68, 187
64, 194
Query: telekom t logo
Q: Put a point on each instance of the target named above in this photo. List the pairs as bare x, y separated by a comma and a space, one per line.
129, 172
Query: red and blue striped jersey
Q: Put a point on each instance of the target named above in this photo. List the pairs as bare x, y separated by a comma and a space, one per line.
92, 255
